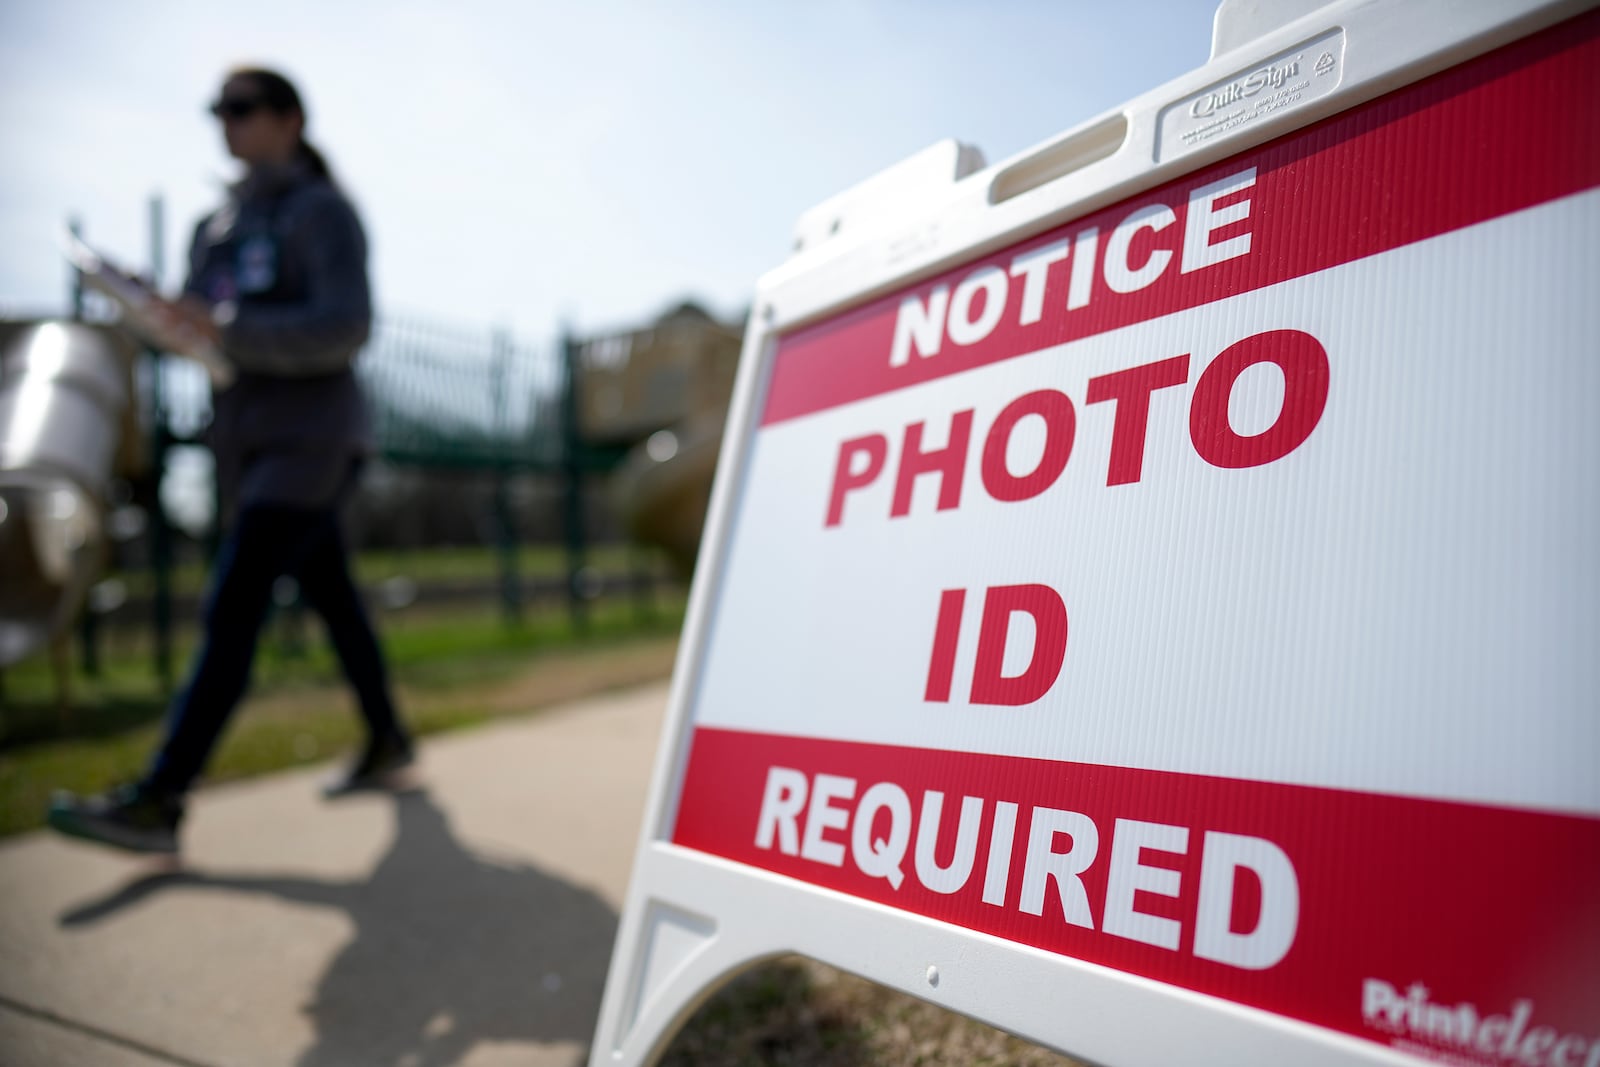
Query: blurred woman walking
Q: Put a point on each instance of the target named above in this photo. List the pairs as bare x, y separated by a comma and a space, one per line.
278, 282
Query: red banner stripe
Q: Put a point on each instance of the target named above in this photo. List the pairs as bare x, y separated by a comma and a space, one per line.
1513, 129
1479, 904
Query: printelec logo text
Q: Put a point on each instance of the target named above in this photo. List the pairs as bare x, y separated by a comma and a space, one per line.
1506, 1038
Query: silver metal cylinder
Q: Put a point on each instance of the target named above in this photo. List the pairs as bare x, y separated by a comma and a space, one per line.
65, 392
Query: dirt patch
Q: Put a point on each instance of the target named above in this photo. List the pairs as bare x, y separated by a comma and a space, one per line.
794, 1012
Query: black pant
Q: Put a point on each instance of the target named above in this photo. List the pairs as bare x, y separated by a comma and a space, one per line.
265, 544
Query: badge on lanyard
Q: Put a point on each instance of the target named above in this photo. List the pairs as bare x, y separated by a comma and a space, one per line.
257, 264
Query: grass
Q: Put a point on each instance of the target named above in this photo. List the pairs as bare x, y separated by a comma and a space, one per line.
468, 562
451, 668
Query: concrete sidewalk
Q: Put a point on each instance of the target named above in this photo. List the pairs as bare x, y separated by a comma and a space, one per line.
469, 922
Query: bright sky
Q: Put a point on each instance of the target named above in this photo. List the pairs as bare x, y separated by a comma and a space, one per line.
517, 164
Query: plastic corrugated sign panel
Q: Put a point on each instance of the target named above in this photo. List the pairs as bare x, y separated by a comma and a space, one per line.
1151, 601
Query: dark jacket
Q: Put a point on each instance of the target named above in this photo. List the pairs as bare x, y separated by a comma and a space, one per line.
284, 266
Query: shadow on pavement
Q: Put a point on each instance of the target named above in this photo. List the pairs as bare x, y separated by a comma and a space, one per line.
451, 949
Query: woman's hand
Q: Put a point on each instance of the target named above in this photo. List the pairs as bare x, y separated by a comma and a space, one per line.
188, 317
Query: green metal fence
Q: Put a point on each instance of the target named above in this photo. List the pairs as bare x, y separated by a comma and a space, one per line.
443, 396
440, 396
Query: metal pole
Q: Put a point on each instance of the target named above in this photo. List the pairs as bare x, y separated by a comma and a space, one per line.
505, 520
88, 631
89, 639
506, 534
160, 442
572, 470
642, 579
158, 234
75, 224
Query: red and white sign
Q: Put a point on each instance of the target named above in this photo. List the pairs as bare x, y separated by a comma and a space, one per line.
1208, 589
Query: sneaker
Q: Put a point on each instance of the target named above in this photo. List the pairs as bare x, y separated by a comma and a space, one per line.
130, 817
377, 769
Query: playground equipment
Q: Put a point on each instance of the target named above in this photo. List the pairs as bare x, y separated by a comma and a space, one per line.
660, 395
665, 487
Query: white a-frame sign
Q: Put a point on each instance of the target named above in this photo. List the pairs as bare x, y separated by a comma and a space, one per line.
1151, 596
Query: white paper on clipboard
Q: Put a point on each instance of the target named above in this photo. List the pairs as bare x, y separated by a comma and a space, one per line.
139, 305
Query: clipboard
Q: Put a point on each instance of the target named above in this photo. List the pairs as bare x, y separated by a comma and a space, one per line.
140, 306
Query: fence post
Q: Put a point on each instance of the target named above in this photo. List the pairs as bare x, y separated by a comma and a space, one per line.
88, 625
572, 471
160, 528
505, 519
160, 441
643, 583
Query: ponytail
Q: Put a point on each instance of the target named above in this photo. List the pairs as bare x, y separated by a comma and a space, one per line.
315, 160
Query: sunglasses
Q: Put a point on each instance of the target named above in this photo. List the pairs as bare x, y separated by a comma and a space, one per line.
238, 107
